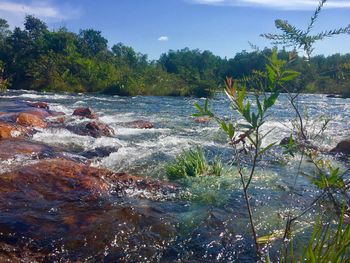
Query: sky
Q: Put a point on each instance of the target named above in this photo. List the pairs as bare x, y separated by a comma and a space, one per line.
153, 27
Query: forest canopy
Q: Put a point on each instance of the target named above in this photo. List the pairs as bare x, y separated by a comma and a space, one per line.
37, 58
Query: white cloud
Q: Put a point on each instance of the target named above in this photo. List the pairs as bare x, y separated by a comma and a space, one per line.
163, 38
276, 4
15, 11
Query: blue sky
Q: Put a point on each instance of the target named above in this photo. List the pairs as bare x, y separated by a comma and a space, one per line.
155, 26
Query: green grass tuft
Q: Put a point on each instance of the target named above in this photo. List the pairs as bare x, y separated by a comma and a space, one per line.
193, 163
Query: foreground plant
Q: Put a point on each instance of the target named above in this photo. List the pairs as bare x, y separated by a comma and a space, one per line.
246, 137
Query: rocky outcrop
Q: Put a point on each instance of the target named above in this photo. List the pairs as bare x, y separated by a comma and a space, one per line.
9, 130
56, 179
85, 112
141, 124
58, 203
30, 120
342, 147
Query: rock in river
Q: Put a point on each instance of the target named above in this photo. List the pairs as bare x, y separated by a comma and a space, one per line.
9, 130
62, 211
85, 112
342, 147
40, 105
141, 124
31, 120
12, 147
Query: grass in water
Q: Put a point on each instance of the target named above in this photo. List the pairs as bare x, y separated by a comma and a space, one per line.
193, 163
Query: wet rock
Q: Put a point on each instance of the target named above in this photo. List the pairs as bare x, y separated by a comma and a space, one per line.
99, 152
85, 112
55, 179
95, 129
98, 129
31, 120
202, 120
8, 130
141, 124
41, 113
12, 147
8, 117
342, 147
58, 203
285, 141
57, 119
40, 105
2, 113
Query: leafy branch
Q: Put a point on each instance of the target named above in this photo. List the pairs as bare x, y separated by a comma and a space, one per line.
302, 39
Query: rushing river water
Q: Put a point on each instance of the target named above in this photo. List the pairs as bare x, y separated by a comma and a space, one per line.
207, 221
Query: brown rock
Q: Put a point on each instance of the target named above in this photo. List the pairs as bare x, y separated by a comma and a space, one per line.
141, 124
99, 152
342, 147
58, 203
202, 119
2, 113
60, 179
85, 112
41, 113
8, 130
98, 129
40, 105
58, 119
56, 179
8, 117
11, 147
27, 119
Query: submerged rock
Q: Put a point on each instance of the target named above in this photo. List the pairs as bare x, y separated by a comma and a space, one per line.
40, 105
342, 147
28, 119
85, 112
12, 147
202, 119
141, 124
99, 152
9, 130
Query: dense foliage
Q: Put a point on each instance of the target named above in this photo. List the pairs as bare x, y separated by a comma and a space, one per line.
40, 59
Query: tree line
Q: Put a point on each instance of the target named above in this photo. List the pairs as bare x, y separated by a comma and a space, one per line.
40, 59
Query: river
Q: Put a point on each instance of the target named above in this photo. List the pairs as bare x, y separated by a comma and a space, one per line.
207, 220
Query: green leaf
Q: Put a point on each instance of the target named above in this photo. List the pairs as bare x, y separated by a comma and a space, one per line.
288, 75
271, 100
266, 148
198, 107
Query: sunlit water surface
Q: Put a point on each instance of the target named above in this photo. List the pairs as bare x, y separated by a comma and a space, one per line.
207, 221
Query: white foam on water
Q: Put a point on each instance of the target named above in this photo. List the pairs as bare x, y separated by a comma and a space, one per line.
43, 96
60, 108
59, 137
118, 118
